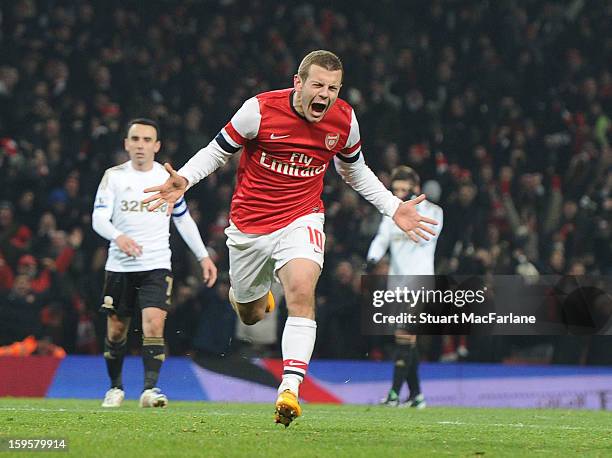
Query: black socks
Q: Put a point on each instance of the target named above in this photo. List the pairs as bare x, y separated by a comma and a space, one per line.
152, 358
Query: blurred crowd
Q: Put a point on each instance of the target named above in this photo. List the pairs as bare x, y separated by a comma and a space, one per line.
504, 108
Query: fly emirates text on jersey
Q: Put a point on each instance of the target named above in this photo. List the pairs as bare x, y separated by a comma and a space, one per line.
298, 165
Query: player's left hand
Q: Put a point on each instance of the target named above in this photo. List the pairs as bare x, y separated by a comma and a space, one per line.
411, 222
209, 271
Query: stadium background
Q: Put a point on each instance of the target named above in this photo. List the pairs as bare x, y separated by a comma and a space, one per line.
504, 107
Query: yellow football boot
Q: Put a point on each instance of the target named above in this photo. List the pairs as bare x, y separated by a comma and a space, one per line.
287, 408
271, 303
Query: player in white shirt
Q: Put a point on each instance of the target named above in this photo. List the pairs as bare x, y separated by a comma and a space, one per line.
406, 258
138, 270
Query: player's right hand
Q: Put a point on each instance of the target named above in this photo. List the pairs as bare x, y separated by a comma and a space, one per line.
209, 271
128, 246
169, 192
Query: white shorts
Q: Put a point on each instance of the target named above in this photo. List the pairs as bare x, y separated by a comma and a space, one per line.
254, 259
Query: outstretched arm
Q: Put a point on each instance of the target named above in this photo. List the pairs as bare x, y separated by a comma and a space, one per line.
359, 176
202, 164
243, 126
354, 171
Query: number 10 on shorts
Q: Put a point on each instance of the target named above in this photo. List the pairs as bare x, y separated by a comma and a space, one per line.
316, 237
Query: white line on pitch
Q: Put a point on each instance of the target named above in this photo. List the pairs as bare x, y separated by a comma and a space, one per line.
515, 425
111, 410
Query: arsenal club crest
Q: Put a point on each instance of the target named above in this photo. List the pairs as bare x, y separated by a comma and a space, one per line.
331, 140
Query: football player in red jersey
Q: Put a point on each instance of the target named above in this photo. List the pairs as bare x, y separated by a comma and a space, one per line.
288, 138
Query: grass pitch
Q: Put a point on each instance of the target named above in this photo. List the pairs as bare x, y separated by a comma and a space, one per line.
247, 430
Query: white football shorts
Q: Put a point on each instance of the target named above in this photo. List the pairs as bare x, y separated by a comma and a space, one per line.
254, 259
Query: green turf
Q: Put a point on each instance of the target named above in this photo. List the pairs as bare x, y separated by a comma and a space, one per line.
217, 429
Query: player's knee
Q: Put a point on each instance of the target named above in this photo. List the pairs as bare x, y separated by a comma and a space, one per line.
154, 328
300, 297
301, 304
115, 336
153, 323
117, 333
403, 338
116, 328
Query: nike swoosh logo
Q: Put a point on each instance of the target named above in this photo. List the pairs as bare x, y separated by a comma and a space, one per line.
296, 364
277, 137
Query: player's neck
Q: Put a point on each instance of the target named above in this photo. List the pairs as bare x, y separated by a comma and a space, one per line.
296, 101
146, 167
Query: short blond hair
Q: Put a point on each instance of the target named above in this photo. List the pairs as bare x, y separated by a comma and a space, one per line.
405, 173
326, 59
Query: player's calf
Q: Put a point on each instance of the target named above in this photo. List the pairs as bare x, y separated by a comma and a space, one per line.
114, 353
153, 355
249, 316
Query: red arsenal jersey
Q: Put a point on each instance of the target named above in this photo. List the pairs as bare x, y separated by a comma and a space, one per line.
280, 176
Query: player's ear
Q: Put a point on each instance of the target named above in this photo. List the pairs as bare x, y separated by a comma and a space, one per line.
125, 143
297, 82
157, 146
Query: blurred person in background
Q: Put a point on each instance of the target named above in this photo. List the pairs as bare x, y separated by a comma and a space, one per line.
138, 268
408, 260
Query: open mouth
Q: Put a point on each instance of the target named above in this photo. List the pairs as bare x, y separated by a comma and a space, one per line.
318, 107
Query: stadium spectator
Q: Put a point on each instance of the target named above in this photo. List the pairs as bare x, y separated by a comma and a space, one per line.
14, 237
20, 312
7, 277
